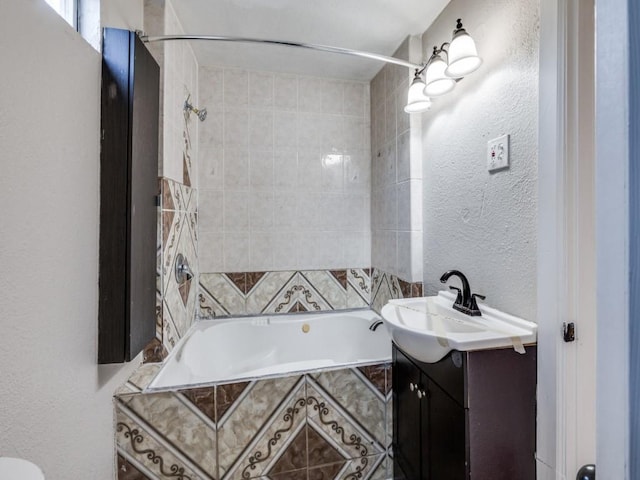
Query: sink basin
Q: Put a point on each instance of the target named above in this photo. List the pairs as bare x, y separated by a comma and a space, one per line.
427, 328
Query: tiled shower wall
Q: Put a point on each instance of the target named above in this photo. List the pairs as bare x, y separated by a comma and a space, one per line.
396, 190
284, 179
332, 425
178, 219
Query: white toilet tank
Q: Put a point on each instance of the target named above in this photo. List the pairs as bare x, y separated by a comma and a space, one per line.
19, 469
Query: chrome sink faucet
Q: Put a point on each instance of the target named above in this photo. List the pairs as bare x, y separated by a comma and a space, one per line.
465, 300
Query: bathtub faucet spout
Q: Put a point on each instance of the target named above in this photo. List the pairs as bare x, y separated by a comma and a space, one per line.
375, 325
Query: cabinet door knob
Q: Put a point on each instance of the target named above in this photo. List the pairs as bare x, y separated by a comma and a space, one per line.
420, 394
412, 386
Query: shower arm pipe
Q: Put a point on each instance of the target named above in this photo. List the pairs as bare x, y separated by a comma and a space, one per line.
309, 46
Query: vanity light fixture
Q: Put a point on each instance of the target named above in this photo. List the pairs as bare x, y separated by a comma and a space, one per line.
463, 55
462, 59
417, 101
438, 83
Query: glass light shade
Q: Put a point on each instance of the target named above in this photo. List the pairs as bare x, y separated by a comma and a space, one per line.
437, 82
463, 56
417, 101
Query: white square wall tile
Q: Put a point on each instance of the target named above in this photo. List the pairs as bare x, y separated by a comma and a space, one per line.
285, 92
285, 245
309, 170
356, 211
332, 172
261, 89
354, 99
261, 169
403, 119
357, 171
236, 128
236, 168
261, 210
236, 211
210, 87
285, 169
210, 167
357, 249
320, 250
390, 131
404, 156
331, 131
210, 132
261, 128
285, 129
332, 96
236, 87
388, 166
261, 252
285, 211
310, 94
210, 207
354, 133
312, 129
331, 208
210, 252
388, 208
236, 252
309, 211
388, 251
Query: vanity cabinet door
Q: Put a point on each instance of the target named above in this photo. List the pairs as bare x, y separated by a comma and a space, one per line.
407, 418
446, 459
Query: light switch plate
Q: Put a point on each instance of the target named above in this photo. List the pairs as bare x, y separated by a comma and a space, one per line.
498, 153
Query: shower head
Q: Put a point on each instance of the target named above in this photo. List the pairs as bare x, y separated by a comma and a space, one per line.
200, 112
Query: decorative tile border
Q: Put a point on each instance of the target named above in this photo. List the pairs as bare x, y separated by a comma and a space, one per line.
326, 425
252, 293
386, 286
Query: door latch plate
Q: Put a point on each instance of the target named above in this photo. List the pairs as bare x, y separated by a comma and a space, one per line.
569, 332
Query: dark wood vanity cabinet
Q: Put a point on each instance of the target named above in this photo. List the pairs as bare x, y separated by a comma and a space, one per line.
130, 104
469, 416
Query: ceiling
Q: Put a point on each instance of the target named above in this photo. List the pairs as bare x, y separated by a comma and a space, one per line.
377, 26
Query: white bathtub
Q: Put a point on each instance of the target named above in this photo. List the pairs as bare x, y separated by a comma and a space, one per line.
240, 349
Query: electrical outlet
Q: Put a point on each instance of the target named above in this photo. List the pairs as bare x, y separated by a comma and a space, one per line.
498, 153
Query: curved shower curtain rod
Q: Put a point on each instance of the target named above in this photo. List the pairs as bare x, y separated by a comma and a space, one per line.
309, 46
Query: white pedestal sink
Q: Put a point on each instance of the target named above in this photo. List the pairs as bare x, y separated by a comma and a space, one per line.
427, 328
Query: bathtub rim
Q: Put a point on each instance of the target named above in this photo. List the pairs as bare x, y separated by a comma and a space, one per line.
276, 316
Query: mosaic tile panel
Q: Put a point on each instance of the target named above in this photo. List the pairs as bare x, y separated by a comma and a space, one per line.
178, 224
326, 425
252, 293
386, 287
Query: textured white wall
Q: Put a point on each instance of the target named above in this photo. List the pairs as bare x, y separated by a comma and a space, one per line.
480, 223
55, 402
